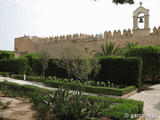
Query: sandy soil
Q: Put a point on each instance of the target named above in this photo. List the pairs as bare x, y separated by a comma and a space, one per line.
17, 110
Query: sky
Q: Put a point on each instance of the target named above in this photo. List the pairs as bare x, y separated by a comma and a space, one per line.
61, 17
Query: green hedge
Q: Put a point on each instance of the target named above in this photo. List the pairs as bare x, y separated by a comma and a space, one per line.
16, 65
114, 112
150, 56
121, 71
117, 70
6, 55
5, 74
76, 86
54, 70
91, 89
34, 64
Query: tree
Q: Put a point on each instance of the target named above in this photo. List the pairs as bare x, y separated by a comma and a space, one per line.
107, 50
123, 1
43, 52
77, 63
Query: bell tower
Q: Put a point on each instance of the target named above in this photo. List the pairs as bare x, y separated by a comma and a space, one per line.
145, 31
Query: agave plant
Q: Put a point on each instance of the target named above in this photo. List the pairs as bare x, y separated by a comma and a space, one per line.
108, 49
68, 106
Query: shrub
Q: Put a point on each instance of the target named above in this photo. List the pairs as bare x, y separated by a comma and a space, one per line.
80, 69
54, 70
121, 71
91, 89
16, 65
30, 57
34, 63
36, 66
150, 56
29, 70
6, 55
68, 106
5, 74
78, 86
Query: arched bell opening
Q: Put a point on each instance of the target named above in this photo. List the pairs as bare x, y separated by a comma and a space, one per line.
141, 21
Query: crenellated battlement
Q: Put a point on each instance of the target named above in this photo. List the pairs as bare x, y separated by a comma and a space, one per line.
156, 31
107, 35
117, 34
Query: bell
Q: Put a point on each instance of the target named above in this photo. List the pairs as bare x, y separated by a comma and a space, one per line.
141, 20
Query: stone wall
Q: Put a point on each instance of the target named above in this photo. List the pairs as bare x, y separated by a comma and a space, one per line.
84, 41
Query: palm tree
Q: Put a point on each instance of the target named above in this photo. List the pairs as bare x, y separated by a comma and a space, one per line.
107, 50
129, 45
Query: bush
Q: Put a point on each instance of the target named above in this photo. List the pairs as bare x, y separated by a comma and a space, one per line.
120, 71
5, 74
16, 65
91, 89
68, 106
6, 55
54, 70
36, 66
34, 63
30, 57
77, 86
29, 70
150, 56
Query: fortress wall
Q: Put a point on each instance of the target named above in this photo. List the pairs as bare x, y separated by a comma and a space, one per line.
23, 45
91, 42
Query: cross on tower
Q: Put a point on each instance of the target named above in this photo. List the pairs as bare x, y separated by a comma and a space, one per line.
140, 4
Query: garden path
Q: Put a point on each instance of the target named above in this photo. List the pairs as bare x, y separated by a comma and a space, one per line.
151, 99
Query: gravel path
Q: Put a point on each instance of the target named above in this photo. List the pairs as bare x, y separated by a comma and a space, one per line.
151, 99
22, 82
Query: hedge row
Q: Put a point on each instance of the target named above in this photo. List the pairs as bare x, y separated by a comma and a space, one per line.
54, 70
16, 65
150, 56
6, 55
76, 86
91, 89
116, 112
120, 71
35, 64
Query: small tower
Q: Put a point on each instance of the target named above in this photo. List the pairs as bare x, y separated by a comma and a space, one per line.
137, 32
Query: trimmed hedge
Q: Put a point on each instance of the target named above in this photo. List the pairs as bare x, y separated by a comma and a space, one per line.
17, 65
121, 71
114, 112
54, 70
91, 89
117, 70
76, 86
6, 55
34, 63
5, 74
36, 66
150, 56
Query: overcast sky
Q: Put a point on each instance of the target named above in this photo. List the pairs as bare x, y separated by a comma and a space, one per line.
61, 17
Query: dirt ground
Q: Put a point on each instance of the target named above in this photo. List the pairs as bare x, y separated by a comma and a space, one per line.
17, 109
